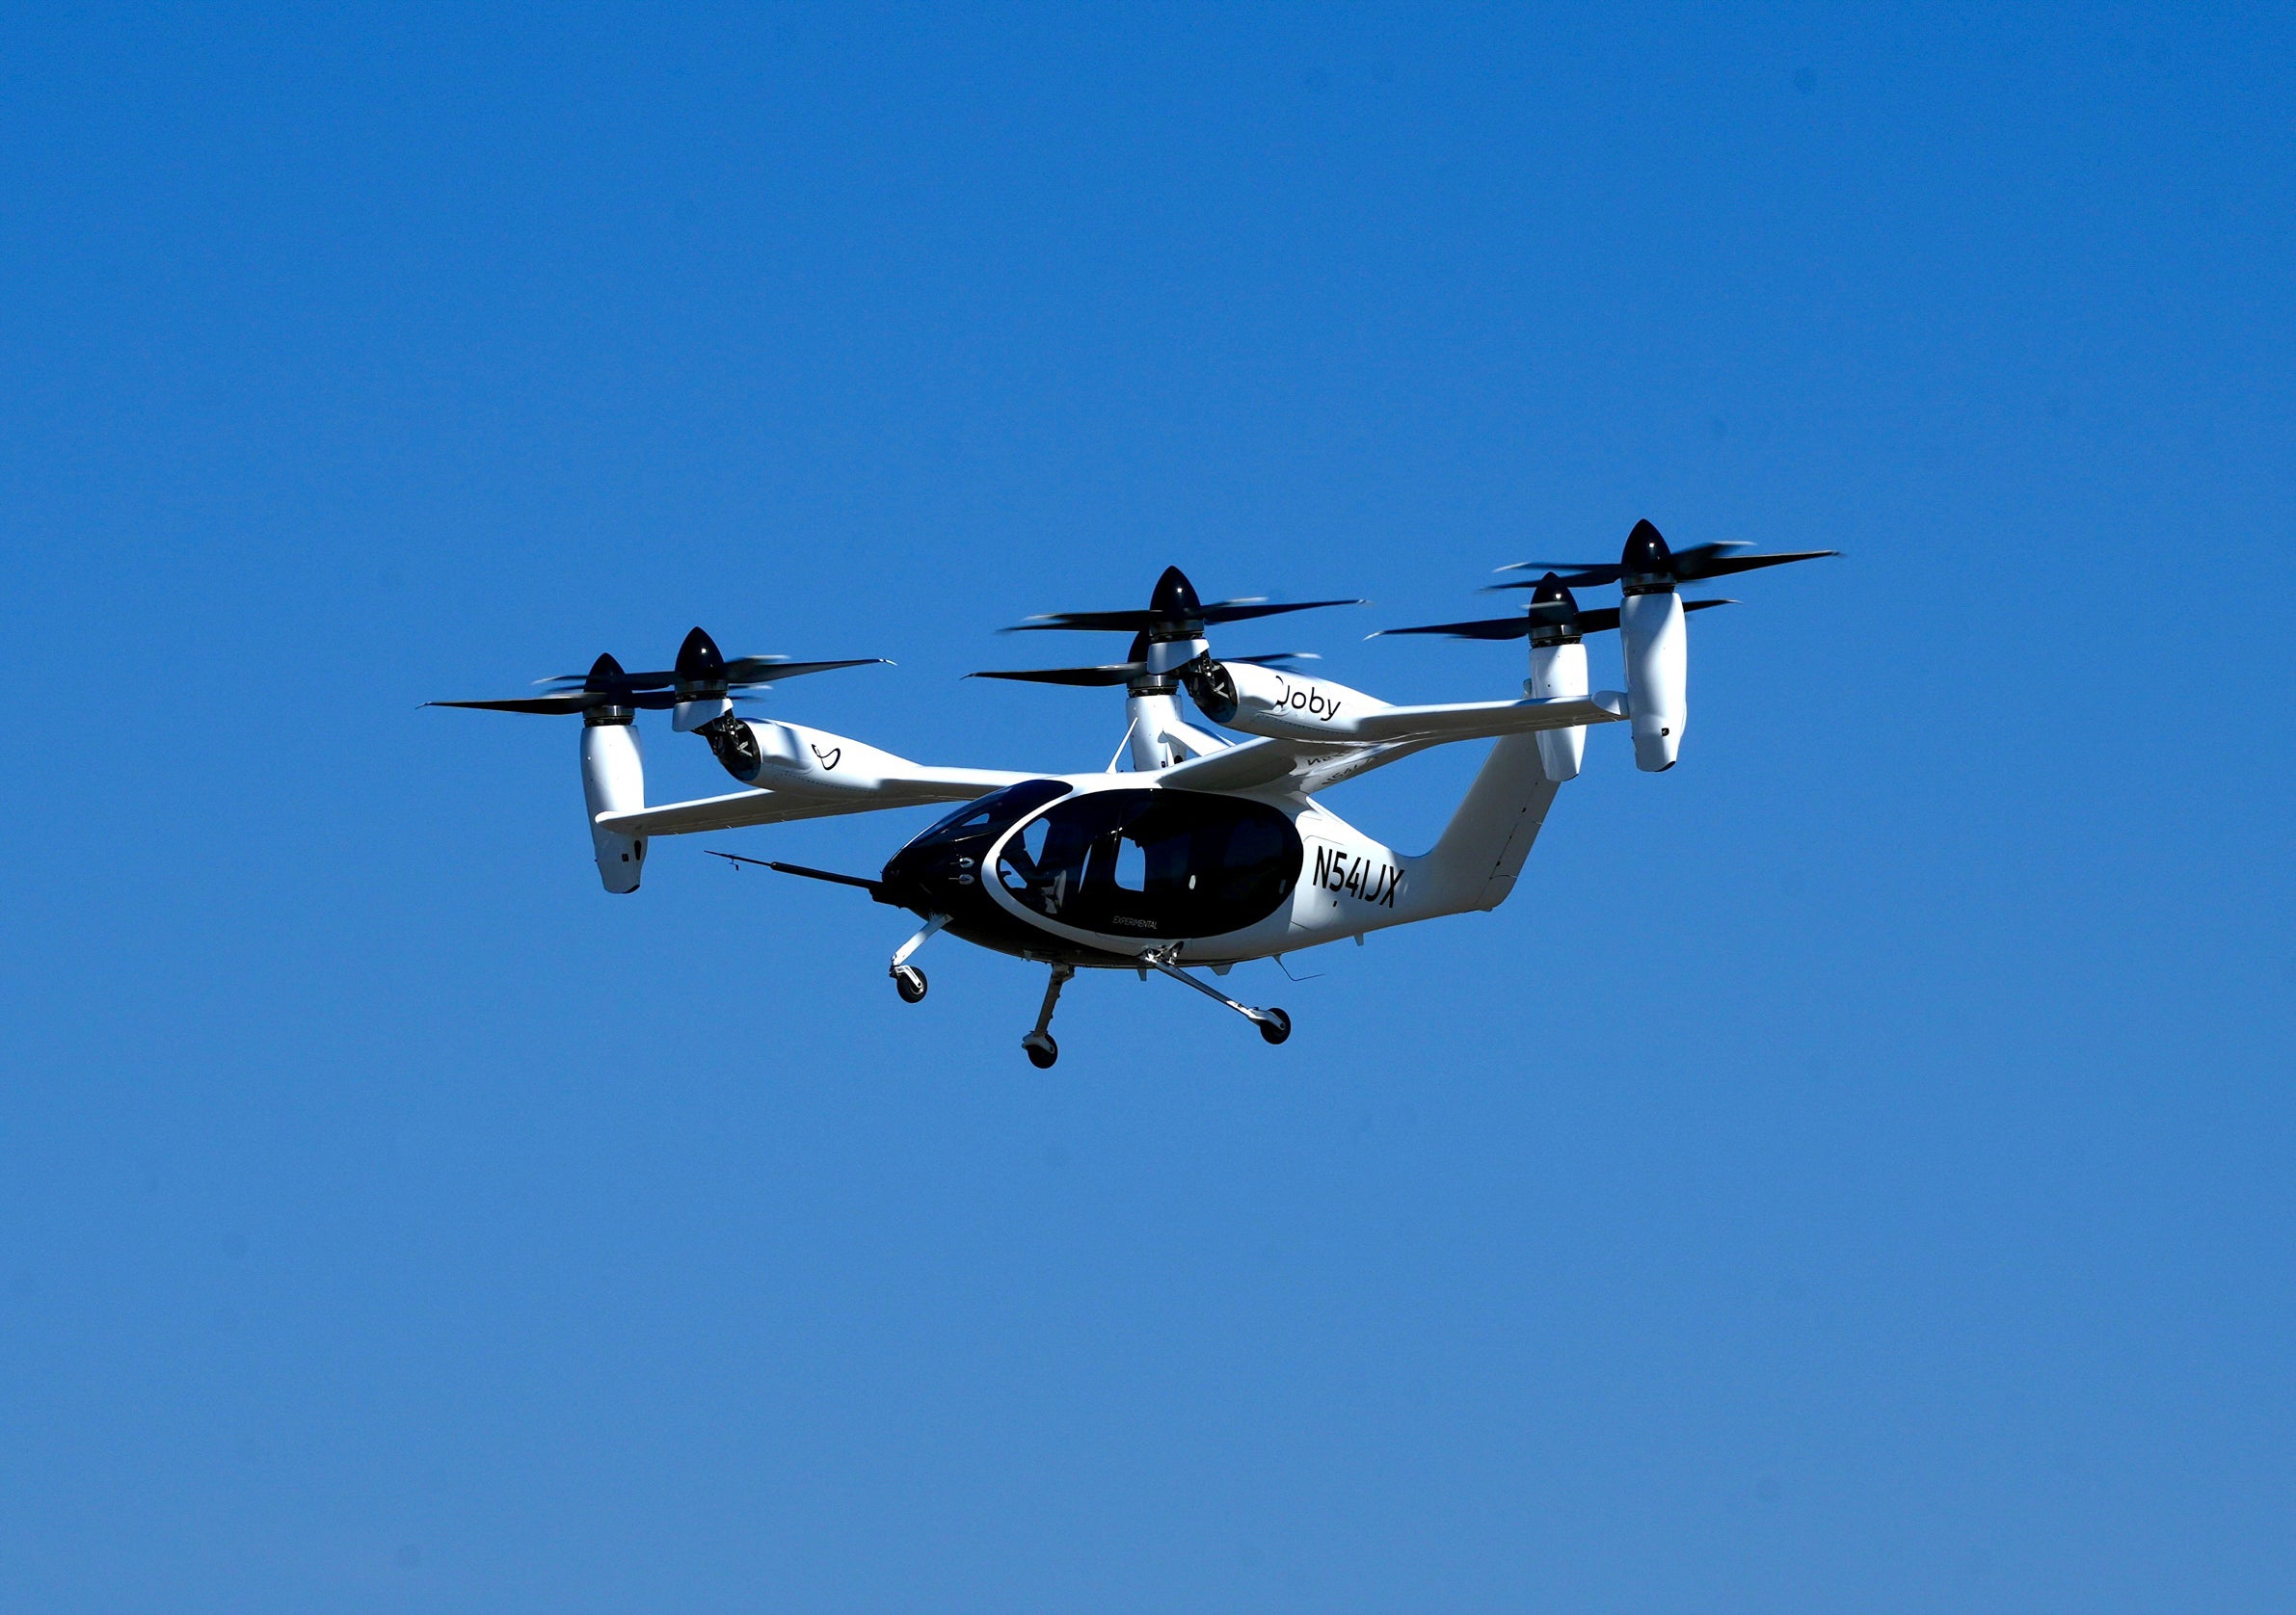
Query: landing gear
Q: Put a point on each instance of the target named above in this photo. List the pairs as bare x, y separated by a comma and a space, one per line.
1274, 1024
907, 979
1038, 1044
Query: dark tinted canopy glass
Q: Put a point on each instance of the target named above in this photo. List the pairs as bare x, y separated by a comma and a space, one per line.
1161, 864
989, 815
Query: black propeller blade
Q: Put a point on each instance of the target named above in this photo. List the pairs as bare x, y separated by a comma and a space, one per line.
1552, 618
701, 673
703, 669
1173, 612
605, 686
1648, 555
1600, 619
1109, 674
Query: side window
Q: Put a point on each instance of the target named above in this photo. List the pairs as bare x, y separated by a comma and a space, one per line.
1255, 860
1021, 867
1052, 862
1132, 865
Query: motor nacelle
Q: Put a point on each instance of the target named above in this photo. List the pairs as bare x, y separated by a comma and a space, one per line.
1657, 643
1558, 672
734, 742
1656, 640
613, 782
1262, 700
793, 758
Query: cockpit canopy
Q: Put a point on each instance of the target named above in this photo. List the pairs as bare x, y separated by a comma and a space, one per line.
1154, 863
990, 815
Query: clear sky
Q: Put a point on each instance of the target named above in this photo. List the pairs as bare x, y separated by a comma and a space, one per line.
1852, 1173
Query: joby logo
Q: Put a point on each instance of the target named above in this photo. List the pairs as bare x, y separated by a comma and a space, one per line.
828, 758
1307, 698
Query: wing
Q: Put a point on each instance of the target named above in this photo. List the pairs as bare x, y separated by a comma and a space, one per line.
748, 807
1301, 766
1480, 720
1378, 738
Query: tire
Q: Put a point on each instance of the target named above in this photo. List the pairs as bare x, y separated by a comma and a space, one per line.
1042, 1052
910, 983
1276, 1027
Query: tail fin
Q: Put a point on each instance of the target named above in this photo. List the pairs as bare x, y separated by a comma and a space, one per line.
1475, 864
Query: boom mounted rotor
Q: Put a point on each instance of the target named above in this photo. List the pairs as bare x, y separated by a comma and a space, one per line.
701, 675
1174, 614
1648, 563
1652, 621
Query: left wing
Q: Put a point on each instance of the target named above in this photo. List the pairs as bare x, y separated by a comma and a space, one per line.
732, 813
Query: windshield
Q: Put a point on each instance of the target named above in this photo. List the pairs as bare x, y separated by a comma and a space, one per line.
990, 814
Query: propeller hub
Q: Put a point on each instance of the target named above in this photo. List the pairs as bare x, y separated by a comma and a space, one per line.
1176, 611
607, 678
1554, 613
1646, 561
700, 664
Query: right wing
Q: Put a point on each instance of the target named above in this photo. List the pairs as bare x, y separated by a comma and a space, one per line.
1377, 738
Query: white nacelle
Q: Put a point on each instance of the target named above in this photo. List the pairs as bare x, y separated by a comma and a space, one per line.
1558, 672
614, 782
792, 760
1657, 644
1261, 701
688, 716
807, 761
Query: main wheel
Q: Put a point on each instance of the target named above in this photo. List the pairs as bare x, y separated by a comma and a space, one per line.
1042, 1049
910, 983
1276, 1027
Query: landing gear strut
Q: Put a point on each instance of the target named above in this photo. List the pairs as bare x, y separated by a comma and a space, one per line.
1042, 1050
907, 979
1274, 1024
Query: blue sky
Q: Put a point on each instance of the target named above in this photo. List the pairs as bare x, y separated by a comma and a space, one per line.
1853, 1172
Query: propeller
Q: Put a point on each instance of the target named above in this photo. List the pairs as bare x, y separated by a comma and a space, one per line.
1131, 672
1647, 556
702, 674
1174, 613
1554, 618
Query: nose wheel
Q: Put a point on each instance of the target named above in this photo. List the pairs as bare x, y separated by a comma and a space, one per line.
907, 979
1041, 1049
